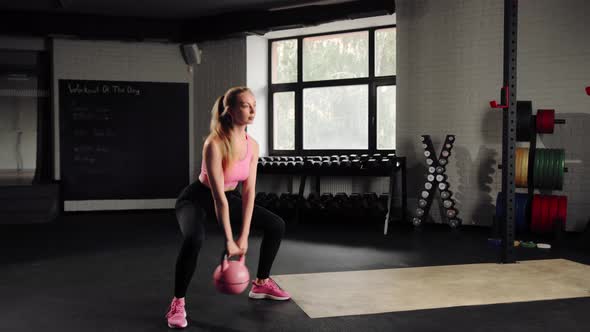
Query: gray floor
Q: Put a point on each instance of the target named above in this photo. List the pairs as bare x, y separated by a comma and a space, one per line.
114, 272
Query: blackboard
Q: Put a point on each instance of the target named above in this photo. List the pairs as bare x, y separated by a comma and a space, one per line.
123, 140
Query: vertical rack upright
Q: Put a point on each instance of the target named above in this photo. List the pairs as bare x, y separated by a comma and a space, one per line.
509, 127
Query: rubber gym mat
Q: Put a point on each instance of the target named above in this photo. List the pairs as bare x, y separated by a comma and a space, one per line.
335, 294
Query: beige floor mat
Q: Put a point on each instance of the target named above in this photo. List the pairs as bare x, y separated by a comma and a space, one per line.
389, 290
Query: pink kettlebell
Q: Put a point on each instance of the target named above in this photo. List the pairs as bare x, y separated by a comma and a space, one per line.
231, 277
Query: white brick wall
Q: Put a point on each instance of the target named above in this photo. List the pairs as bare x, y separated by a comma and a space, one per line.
450, 60
124, 61
223, 65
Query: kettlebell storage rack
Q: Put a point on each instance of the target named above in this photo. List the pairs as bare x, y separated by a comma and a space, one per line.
304, 166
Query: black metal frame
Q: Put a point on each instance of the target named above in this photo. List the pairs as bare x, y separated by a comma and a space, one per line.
297, 87
509, 121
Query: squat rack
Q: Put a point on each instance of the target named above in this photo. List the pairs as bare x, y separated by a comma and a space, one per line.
508, 105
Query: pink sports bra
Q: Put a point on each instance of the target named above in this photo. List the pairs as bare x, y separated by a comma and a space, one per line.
238, 172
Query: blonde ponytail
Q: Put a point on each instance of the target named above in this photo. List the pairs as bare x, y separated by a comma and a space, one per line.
221, 122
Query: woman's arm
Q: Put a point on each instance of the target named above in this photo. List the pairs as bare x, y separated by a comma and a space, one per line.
213, 162
249, 192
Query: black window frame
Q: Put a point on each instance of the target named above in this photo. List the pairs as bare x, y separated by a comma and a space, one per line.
297, 87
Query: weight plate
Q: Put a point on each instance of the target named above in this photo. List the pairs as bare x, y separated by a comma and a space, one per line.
542, 209
440, 178
562, 209
427, 153
442, 162
518, 167
451, 138
422, 203
557, 183
447, 203
430, 177
440, 169
535, 214
536, 169
451, 213
431, 169
428, 185
442, 186
448, 146
555, 156
425, 194
544, 167
560, 169
445, 153
429, 161
524, 125
553, 209
445, 194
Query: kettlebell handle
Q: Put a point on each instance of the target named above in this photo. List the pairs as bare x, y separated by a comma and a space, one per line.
225, 263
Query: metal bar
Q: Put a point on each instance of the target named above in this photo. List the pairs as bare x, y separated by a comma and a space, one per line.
509, 127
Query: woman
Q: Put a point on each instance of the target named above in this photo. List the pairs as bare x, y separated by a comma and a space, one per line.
230, 155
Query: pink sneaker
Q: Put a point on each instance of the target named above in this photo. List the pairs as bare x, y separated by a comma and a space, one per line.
270, 290
176, 314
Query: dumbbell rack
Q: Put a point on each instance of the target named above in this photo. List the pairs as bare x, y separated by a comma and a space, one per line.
436, 179
397, 164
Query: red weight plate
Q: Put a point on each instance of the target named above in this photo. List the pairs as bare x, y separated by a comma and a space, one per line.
563, 209
535, 214
540, 121
542, 213
552, 215
545, 121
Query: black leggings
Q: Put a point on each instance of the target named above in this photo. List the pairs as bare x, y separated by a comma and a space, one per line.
194, 206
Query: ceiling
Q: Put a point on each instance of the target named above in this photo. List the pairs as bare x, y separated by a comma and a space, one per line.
175, 20
163, 9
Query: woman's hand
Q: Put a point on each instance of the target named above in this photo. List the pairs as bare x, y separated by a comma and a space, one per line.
233, 249
242, 242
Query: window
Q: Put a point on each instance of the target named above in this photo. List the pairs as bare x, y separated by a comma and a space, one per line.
23, 106
333, 93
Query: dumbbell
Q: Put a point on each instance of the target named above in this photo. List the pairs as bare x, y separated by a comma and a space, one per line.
326, 164
370, 201
291, 158
260, 199
335, 164
454, 223
345, 163
372, 163
356, 164
334, 158
299, 164
422, 203
353, 156
272, 202
299, 158
445, 194
451, 213
386, 162
291, 164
